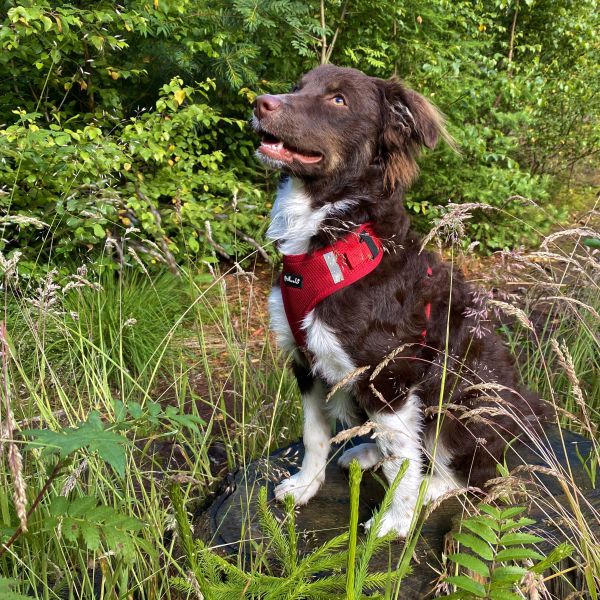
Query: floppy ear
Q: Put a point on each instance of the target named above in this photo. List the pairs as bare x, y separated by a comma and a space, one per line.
409, 122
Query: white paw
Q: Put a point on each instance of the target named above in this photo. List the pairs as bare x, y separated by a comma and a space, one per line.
392, 522
367, 455
301, 487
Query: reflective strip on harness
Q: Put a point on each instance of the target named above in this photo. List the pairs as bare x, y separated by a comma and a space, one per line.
307, 279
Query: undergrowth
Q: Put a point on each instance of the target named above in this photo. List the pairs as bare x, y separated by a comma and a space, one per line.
126, 397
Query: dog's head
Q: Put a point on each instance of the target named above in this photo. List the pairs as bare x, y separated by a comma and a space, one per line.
340, 120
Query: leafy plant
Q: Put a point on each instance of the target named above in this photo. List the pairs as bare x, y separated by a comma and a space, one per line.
6, 590
499, 548
152, 416
316, 575
90, 435
85, 521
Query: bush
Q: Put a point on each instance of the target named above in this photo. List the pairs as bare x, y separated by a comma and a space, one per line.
135, 117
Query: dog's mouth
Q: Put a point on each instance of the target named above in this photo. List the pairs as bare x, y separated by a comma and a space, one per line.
276, 149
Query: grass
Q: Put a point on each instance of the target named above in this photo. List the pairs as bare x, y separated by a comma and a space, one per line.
184, 369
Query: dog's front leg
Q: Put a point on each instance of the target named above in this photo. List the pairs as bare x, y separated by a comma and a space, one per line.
317, 432
398, 436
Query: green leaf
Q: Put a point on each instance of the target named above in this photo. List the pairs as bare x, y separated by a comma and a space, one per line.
468, 585
109, 446
89, 435
81, 506
490, 510
7, 590
508, 574
518, 554
59, 506
482, 530
558, 554
468, 561
476, 544
513, 511
90, 534
99, 231
512, 539
511, 524
492, 523
503, 595
70, 529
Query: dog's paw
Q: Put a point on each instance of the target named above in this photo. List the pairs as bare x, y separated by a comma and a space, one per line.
301, 487
392, 522
367, 455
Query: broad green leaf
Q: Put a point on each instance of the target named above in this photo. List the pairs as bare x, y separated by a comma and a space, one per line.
508, 574
468, 561
482, 530
511, 539
518, 554
476, 544
468, 585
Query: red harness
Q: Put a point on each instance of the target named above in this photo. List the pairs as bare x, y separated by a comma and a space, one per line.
307, 279
427, 310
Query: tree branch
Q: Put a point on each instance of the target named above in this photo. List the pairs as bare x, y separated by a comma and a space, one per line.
323, 35
337, 31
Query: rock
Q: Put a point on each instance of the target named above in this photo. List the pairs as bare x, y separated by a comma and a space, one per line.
231, 522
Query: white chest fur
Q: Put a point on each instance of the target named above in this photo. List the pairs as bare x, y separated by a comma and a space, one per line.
293, 223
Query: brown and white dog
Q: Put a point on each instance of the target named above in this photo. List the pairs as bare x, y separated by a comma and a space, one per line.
347, 145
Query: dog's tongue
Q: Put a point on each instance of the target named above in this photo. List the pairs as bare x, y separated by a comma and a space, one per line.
278, 151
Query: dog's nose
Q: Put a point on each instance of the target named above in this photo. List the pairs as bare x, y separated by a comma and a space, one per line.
266, 104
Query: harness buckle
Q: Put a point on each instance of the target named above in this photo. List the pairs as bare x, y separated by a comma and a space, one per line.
368, 240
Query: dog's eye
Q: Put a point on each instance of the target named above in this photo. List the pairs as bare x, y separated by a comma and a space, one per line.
295, 88
339, 100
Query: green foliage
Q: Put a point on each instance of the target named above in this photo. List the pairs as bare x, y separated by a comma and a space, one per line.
122, 322
84, 521
113, 119
317, 575
153, 417
90, 435
6, 590
499, 551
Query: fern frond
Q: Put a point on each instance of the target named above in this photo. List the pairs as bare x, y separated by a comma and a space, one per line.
324, 556
372, 543
273, 529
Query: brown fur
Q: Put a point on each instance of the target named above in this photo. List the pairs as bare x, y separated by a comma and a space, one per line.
369, 150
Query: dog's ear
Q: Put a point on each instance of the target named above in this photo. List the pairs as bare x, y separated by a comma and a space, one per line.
409, 122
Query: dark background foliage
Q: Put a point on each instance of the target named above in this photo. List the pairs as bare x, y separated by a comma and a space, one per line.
124, 127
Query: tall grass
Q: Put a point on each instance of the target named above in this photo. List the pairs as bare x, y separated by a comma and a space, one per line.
130, 346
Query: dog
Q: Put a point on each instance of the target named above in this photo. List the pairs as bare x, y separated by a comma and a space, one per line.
379, 329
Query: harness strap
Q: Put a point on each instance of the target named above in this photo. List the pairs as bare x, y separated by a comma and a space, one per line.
308, 279
427, 311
